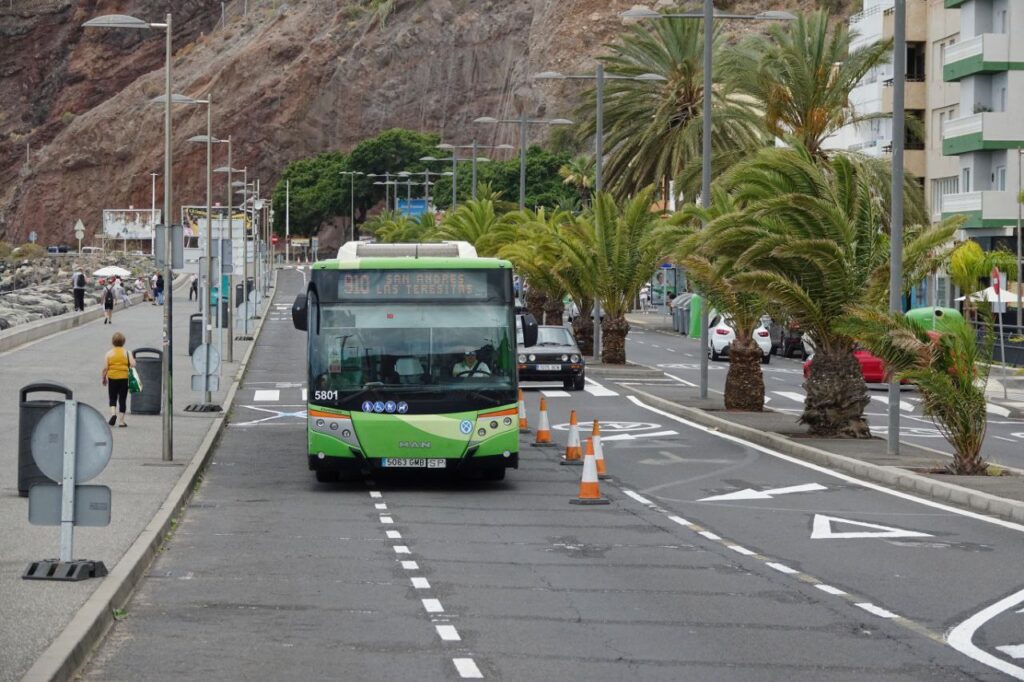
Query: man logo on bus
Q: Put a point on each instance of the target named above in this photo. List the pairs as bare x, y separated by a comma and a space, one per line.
367, 406
466, 426
378, 407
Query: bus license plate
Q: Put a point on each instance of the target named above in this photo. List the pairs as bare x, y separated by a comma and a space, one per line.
414, 463
548, 368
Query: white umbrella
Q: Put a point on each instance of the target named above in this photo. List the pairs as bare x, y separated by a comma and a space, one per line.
990, 296
112, 271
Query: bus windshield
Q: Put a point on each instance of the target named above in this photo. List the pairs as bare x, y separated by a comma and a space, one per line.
412, 351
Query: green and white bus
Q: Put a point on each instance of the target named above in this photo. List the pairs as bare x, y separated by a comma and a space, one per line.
411, 360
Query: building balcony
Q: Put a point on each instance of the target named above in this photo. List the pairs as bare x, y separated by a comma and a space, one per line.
954, 4
982, 209
985, 53
989, 130
917, 22
915, 94
915, 158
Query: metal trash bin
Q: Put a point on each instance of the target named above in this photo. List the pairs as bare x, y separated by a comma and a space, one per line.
238, 295
684, 318
29, 414
195, 332
223, 313
675, 318
150, 369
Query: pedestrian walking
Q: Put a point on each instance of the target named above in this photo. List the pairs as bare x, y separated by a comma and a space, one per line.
116, 365
121, 293
193, 287
108, 303
645, 298
160, 289
152, 288
78, 284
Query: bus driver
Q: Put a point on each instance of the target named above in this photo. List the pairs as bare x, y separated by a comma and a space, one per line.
470, 366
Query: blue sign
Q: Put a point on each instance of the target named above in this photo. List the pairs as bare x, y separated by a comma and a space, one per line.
403, 407
466, 426
412, 207
367, 406
390, 407
378, 407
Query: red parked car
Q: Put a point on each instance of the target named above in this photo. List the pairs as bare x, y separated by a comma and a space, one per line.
871, 367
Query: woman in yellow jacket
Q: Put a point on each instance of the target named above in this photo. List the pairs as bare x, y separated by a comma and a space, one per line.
115, 377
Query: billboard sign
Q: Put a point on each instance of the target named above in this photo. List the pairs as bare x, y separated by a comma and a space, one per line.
130, 223
412, 207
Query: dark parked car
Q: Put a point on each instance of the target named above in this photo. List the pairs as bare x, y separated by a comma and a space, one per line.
554, 357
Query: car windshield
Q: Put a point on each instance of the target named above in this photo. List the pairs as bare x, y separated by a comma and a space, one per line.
549, 336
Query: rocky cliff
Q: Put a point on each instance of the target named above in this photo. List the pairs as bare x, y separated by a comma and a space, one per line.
287, 80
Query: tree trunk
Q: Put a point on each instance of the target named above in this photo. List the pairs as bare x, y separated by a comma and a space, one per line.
613, 346
553, 311
836, 396
744, 384
583, 330
535, 300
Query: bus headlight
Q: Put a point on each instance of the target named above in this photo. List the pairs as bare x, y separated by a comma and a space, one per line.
574, 358
522, 357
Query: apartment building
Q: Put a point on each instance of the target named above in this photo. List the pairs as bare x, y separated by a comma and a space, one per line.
986, 133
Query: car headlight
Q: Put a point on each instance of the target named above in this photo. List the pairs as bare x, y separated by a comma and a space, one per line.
574, 358
532, 357
522, 357
565, 358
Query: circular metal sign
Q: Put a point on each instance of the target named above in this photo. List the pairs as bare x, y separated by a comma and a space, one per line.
79, 234
199, 359
93, 444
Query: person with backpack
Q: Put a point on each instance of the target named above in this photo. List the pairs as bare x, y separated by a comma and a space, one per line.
108, 303
78, 285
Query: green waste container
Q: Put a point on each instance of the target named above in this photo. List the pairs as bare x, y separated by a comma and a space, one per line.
695, 306
939, 319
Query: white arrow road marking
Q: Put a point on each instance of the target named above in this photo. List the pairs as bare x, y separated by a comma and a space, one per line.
904, 405
629, 436
960, 637
1014, 651
597, 390
822, 530
751, 494
798, 397
997, 410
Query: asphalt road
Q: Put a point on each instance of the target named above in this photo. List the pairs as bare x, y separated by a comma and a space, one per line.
271, 575
677, 355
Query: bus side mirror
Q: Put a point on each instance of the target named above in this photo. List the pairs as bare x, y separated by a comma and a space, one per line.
529, 327
300, 313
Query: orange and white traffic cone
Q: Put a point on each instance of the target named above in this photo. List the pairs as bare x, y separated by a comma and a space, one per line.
573, 451
590, 489
594, 444
544, 428
523, 426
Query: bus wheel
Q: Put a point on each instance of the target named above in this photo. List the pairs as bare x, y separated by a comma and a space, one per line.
323, 476
495, 473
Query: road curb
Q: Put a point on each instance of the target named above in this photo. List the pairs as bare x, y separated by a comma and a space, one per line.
893, 477
73, 646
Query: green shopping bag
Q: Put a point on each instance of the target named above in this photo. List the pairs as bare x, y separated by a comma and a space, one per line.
134, 383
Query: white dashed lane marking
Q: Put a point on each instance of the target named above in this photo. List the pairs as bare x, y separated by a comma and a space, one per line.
876, 610
433, 605
448, 633
394, 535
410, 566
467, 668
421, 583
267, 396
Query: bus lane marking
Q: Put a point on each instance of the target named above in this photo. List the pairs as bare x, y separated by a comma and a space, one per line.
448, 633
467, 668
386, 519
401, 549
432, 605
420, 583
410, 565
394, 535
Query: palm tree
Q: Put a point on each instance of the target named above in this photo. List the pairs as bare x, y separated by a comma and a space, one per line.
535, 253
807, 236
969, 264
579, 173
950, 369
714, 277
802, 73
653, 128
469, 222
621, 258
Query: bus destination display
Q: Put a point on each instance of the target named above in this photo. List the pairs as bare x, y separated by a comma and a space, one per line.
414, 284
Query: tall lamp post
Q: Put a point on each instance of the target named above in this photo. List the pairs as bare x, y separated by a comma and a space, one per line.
352, 201
899, 65
152, 215
167, 366
707, 16
599, 77
476, 147
387, 195
207, 404
455, 170
242, 187
523, 121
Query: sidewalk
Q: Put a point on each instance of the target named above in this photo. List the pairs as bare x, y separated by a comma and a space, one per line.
146, 491
1001, 496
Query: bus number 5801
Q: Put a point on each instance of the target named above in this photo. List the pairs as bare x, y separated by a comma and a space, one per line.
325, 395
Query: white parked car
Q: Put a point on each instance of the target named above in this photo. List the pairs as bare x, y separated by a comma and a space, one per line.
721, 334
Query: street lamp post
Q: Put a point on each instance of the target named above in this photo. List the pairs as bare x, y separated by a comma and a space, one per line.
707, 16
523, 121
599, 77
167, 366
387, 192
475, 147
244, 185
352, 201
152, 216
899, 65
